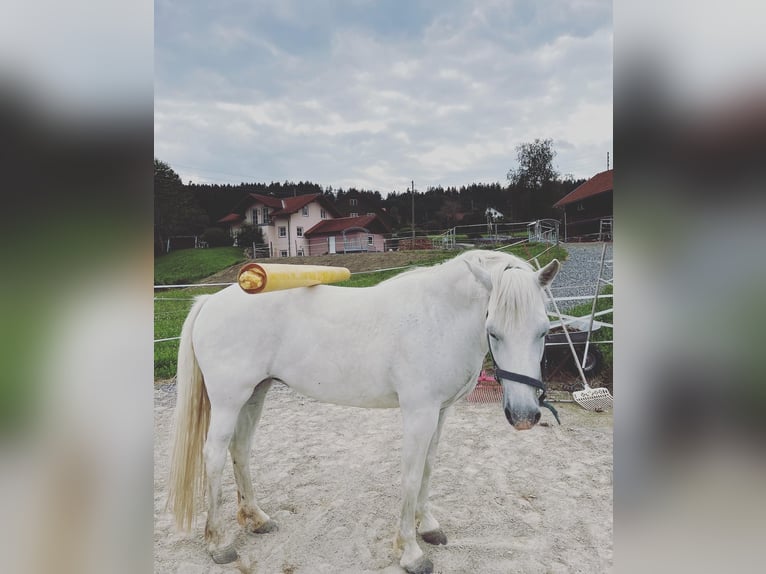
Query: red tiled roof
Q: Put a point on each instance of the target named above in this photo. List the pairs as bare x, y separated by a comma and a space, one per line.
292, 204
267, 200
599, 183
341, 223
231, 218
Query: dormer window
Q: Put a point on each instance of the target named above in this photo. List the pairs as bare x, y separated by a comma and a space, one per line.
305, 211
352, 202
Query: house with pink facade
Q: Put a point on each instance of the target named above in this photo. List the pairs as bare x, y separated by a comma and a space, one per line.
299, 225
347, 235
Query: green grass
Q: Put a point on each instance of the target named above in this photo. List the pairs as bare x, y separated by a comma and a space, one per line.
170, 309
370, 279
172, 306
190, 265
544, 252
524, 251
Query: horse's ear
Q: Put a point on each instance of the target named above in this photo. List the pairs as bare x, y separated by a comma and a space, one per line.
547, 273
480, 273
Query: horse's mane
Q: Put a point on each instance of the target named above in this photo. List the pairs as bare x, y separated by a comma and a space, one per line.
515, 288
486, 259
491, 259
515, 292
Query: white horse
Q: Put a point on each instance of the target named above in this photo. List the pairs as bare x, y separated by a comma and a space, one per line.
431, 328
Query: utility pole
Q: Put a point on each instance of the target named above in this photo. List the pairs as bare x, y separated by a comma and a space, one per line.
413, 214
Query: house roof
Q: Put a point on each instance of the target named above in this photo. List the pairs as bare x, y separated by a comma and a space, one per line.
599, 183
371, 222
289, 205
292, 204
231, 218
267, 200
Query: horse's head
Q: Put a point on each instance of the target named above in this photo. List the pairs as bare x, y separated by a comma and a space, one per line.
516, 326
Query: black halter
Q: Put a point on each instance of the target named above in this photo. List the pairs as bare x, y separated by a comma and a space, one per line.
519, 378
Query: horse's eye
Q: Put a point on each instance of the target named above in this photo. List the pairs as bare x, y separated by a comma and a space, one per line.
495, 337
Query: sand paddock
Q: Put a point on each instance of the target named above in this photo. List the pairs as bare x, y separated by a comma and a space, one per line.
530, 502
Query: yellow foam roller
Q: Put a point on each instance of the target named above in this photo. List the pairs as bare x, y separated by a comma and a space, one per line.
263, 277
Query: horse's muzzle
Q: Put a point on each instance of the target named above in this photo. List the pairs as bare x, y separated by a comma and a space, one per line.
522, 422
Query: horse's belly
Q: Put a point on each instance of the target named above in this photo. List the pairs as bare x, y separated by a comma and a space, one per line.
345, 394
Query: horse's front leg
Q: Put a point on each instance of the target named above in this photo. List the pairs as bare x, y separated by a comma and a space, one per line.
419, 427
428, 526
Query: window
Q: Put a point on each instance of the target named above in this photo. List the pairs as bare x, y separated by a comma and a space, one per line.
300, 252
299, 231
283, 253
283, 231
255, 215
322, 214
353, 214
370, 240
265, 212
352, 201
305, 211
370, 213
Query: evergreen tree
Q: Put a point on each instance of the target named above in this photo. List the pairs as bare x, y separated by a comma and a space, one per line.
176, 210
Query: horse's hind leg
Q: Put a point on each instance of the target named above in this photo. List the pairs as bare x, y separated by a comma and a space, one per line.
223, 419
428, 526
249, 515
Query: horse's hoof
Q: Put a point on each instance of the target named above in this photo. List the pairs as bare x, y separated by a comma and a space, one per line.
434, 537
421, 566
224, 555
268, 526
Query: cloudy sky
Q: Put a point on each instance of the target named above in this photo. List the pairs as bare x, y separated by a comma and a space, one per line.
374, 94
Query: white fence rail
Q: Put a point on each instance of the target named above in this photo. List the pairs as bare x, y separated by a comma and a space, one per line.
568, 318
491, 234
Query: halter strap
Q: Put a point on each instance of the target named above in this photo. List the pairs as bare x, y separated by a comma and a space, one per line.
524, 379
519, 378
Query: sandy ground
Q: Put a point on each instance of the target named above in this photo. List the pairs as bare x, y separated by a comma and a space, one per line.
530, 502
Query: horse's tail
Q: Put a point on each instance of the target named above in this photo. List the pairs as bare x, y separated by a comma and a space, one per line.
192, 419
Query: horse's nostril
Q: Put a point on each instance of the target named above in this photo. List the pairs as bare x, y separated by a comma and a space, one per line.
537, 417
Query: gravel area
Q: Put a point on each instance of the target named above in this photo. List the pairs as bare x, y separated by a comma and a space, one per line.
578, 274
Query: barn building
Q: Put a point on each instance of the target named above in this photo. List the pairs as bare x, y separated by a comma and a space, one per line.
588, 214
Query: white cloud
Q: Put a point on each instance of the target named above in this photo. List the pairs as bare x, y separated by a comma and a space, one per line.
351, 102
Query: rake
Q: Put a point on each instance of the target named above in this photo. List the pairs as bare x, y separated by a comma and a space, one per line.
591, 399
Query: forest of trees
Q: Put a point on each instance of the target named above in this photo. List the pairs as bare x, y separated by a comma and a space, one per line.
531, 190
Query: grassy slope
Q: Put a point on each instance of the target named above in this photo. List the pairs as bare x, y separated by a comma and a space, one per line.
191, 265
170, 314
